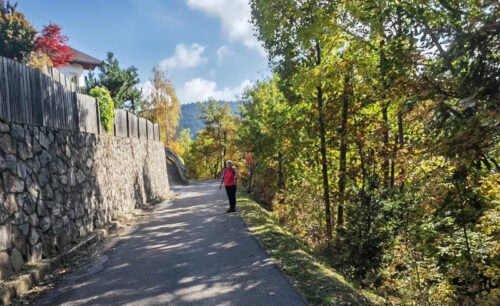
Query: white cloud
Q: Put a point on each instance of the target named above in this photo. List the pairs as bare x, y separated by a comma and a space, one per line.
185, 57
147, 89
235, 18
201, 90
222, 52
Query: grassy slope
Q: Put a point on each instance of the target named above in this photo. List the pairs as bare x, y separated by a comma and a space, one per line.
319, 284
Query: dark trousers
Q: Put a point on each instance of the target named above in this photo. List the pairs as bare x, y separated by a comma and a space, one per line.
231, 194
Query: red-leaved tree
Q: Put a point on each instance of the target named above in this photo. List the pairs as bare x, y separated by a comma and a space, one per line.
52, 43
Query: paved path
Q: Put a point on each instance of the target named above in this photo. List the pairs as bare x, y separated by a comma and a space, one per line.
188, 253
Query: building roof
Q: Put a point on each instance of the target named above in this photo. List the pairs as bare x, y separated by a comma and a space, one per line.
88, 62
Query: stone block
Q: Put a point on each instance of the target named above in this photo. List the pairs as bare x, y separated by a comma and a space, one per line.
72, 177
3, 164
34, 237
61, 167
45, 224
33, 218
64, 237
4, 217
18, 131
63, 179
37, 148
12, 183
24, 150
25, 203
44, 141
45, 159
36, 252
4, 128
56, 210
11, 163
5, 266
68, 151
41, 209
17, 260
80, 176
5, 237
10, 204
43, 177
21, 170
25, 229
7, 144
35, 164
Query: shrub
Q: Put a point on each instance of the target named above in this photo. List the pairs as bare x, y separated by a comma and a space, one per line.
106, 107
363, 240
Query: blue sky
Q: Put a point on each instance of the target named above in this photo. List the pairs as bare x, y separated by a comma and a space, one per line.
206, 46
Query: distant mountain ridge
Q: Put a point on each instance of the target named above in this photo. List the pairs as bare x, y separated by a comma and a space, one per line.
190, 114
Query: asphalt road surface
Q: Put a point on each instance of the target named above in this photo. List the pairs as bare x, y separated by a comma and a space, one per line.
190, 252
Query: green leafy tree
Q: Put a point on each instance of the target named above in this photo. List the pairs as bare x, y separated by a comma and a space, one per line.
184, 140
17, 36
292, 33
214, 143
120, 82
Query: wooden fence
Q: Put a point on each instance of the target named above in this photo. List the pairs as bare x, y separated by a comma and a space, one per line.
31, 97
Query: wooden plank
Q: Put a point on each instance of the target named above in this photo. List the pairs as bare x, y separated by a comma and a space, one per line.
128, 127
79, 113
11, 78
52, 102
3, 83
65, 103
75, 122
143, 129
36, 96
98, 118
7, 89
59, 108
150, 132
39, 98
57, 95
32, 94
157, 132
133, 126
46, 89
29, 102
14, 98
23, 94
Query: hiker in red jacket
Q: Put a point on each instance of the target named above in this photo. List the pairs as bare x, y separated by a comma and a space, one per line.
229, 179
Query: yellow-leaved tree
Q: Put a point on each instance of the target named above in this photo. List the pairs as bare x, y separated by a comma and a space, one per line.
164, 108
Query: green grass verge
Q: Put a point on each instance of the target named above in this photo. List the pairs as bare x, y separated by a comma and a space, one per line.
318, 283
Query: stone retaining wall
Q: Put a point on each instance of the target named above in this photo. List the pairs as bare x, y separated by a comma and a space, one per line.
56, 186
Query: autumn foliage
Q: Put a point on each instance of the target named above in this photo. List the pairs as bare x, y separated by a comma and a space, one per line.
52, 43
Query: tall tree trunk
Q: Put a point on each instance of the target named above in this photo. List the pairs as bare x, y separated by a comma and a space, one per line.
326, 191
385, 165
393, 160
385, 129
401, 146
251, 170
281, 179
343, 150
362, 160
